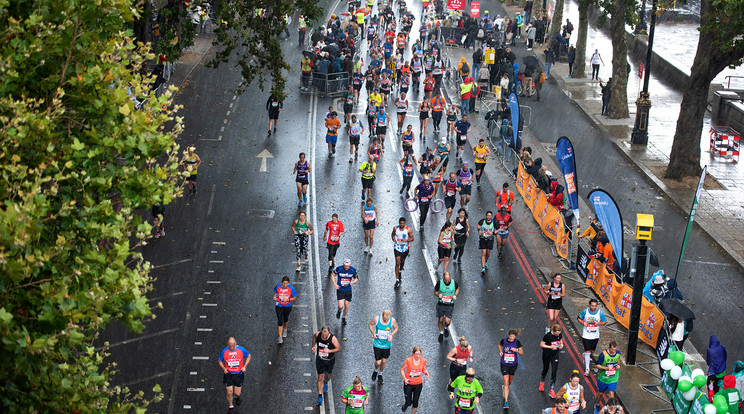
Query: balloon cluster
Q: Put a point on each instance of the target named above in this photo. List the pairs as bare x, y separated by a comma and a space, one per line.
689, 384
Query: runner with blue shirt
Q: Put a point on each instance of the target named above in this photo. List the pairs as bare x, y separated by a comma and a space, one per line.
233, 360
383, 327
346, 277
592, 318
284, 295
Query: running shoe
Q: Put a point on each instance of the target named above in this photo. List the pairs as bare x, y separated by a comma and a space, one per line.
338, 313
403, 407
274, 129
459, 261
343, 321
441, 337
596, 409
362, 195
506, 405
284, 335
304, 197
237, 401
486, 266
269, 132
586, 373
366, 249
298, 268
320, 400
280, 340
162, 233
483, 270
374, 375
380, 381
552, 393
541, 387
397, 284
446, 332
299, 203
230, 410
334, 150
157, 235
351, 159
325, 387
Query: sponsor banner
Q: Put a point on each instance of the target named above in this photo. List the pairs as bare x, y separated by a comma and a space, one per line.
565, 153
582, 263
611, 219
514, 107
456, 5
474, 9
547, 216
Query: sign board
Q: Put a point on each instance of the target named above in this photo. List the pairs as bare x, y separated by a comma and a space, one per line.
456, 5
582, 262
474, 9
640, 70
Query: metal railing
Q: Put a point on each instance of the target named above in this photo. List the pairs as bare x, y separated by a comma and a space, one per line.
728, 79
326, 85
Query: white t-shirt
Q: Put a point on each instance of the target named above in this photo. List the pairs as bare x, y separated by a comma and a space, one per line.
596, 59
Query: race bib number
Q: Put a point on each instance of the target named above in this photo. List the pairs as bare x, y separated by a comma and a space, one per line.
509, 357
450, 193
591, 327
556, 344
574, 406
345, 282
323, 353
415, 373
446, 299
464, 402
610, 371
334, 238
283, 298
462, 362
355, 401
383, 334
233, 364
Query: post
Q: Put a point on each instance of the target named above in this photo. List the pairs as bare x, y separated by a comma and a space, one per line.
640, 253
639, 136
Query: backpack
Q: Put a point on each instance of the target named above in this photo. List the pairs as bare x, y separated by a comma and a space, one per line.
542, 77
465, 67
520, 76
570, 27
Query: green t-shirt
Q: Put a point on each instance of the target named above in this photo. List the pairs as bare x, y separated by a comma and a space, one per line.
465, 393
355, 399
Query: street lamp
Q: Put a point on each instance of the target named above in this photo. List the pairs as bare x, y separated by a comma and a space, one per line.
643, 103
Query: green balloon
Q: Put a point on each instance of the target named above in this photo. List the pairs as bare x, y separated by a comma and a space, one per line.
684, 386
678, 357
719, 401
699, 381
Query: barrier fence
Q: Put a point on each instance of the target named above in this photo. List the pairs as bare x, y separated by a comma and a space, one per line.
326, 85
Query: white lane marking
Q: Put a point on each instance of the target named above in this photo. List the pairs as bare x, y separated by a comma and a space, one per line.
708, 263
213, 251
139, 338
173, 263
207, 293
204, 329
264, 155
228, 113
214, 281
187, 407
209, 304
210, 271
197, 343
195, 389
193, 373
200, 358
307, 391
217, 261
211, 200
202, 317
219, 243
391, 140
166, 296
231, 105
300, 306
301, 359
151, 377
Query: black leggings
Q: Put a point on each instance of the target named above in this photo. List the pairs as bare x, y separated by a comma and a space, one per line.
412, 393
332, 248
407, 183
552, 364
423, 211
436, 117
460, 246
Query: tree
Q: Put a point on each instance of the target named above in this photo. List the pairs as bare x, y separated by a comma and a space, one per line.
618, 107
579, 68
720, 44
79, 157
251, 34
557, 20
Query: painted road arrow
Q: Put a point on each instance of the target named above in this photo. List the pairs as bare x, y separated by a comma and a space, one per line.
263, 155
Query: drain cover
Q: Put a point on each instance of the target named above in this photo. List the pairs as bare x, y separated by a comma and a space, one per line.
261, 213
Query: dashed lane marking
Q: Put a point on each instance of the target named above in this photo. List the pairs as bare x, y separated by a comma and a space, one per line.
209, 304
139, 338
217, 261
195, 389
216, 282
200, 358
171, 264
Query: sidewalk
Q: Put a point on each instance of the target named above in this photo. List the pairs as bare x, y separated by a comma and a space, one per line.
191, 57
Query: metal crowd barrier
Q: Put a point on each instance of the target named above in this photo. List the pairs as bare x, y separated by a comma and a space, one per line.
326, 85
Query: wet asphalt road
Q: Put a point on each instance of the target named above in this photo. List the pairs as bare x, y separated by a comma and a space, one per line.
230, 244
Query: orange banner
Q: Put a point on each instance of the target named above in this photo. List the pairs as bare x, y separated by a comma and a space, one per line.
547, 216
618, 298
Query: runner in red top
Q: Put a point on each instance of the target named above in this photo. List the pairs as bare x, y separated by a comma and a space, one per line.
503, 222
504, 197
332, 235
233, 361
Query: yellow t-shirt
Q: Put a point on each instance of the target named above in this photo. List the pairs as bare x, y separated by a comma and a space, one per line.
480, 154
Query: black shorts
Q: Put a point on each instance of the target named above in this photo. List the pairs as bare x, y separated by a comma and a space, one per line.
191, 178
451, 118
324, 366
357, 87
462, 140
423, 115
354, 140
590, 344
381, 130
408, 148
509, 369
465, 189
445, 161
401, 254
282, 314
348, 108
443, 252
485, 244
343, 295
367, 183
479, 166
370, 225
273, 114
457, 370
369, 85
302, 181
381, 353
555, 303
444, 310
233, 380
449, 202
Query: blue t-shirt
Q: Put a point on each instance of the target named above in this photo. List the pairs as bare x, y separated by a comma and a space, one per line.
283, 294
343, 277
234, 360
462, 127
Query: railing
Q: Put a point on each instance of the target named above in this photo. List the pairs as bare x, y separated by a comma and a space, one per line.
728, 79
326, 85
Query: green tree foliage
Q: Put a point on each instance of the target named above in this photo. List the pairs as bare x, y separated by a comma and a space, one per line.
249, 33
76, 160
720, 44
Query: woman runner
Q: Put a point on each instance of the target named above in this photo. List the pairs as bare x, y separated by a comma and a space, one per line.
407, 164
551, 344
509, 349
462, 232
302, 229
413, 370
556, 292
356, 397
573, 393
401, 105
459, 356
451, 119
301, 168
446, 242
370, 220
423, 110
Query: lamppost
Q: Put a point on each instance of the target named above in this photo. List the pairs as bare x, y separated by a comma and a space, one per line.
643, 103
641, 26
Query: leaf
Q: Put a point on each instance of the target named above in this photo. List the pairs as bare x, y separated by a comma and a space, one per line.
124, 110
5, 317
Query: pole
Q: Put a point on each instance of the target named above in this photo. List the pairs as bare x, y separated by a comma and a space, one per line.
639, 136
635, 309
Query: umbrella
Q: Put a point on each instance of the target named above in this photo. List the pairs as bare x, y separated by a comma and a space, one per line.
309, 54
531, 62
677, 308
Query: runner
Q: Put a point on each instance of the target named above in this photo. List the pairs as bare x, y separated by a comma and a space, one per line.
370, 220
372, 118
382, 122
424, 192
608, 364
402, 237
191, 163
481, 153
356, 397
358, 81
465, 176
426, 161
468, 391
332, 235
368, 170
443, 151
445, 244
559, 408
451, 120
284, 295
591, 318
407, 164
573, 393
504, 197
407, 139
401, 105
446, 290
302, 229
504, 220
438, 175
356, 129
302, 168
348, 99
485, 242
233, 361
274, 106
413, 371
383, 327
612, 407
459, 356
556, 292
428, 89
423, 110
333, 125
509, 349
375, 149
346, 277
417, 66
462, 127
325, 346
157, 211
385, 85
462, 232
551, 344
451, 187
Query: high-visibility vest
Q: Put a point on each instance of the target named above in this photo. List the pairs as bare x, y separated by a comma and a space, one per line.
465, 88
305, 66
301, 23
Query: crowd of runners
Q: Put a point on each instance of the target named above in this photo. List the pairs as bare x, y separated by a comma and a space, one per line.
399, 62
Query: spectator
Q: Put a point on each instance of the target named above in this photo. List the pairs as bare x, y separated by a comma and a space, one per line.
606, 95
716, 360
477, 60
556, 195
528, 11
571, 58
549, 60
534, 170
463, 69
531, 34
656, 287
505, 85
543, 181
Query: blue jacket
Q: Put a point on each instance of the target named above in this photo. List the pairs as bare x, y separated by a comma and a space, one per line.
716, 357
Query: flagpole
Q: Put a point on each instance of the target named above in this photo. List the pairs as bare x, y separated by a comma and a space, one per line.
691, 219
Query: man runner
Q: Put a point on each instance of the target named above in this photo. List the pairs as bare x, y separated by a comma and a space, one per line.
346, 277
608, 364
451, 188
481, 153
332, 235
233, 361
462, 127
325, 346
465, 176
368, 170
424, 192
356, 129
504, 220
333, 125
591, 318
383, 328
402, 237
504, 197
446, 291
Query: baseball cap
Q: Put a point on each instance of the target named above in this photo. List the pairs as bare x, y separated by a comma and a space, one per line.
347, 261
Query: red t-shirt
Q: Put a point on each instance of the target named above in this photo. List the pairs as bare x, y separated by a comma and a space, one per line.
334, 231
